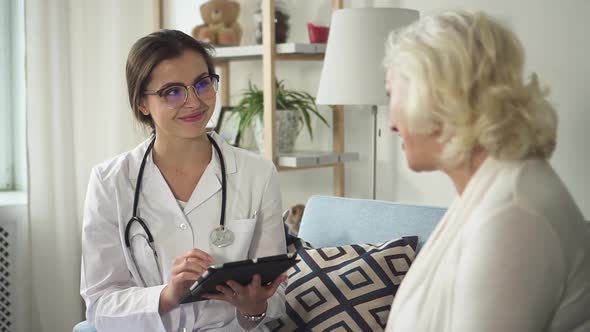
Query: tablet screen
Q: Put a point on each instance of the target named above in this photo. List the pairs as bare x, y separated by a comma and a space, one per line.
242, 272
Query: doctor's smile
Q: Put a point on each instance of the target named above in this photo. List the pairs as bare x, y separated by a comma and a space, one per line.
193, 117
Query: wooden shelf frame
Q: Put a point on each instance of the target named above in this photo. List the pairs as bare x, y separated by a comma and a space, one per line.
269, 58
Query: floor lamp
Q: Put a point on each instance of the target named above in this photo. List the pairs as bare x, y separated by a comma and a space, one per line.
352, 73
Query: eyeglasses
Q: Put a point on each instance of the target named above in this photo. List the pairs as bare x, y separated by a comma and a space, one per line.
176, 95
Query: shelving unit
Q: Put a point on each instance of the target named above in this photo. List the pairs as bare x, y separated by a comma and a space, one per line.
270, 53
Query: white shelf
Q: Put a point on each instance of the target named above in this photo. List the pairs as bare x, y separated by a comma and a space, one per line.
298, 159
255, 51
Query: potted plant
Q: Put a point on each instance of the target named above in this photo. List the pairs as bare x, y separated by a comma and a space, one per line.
294, 111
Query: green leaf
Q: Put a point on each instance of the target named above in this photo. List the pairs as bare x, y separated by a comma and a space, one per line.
251, 106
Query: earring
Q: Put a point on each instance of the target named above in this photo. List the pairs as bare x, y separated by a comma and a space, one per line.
143, 110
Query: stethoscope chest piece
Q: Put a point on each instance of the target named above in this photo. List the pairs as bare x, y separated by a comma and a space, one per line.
221, 237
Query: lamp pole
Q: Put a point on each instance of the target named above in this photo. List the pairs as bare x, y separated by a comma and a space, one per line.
374, 158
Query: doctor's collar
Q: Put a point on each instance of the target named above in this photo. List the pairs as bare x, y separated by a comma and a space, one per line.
136, 155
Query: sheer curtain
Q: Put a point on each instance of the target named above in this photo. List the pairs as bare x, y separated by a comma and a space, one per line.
77, 116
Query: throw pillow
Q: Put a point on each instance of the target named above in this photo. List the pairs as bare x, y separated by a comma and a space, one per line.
347, 288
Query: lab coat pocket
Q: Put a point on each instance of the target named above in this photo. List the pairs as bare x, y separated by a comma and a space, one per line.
146, 262
243, 230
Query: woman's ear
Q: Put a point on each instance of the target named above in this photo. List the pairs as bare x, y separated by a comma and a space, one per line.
437, 131
143, 108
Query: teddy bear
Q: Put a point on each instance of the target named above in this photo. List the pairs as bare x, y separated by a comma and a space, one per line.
221, 26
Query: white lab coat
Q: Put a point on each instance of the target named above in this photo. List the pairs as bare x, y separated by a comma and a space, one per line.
115, 297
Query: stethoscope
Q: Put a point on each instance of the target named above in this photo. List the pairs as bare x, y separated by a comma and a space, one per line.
220, 237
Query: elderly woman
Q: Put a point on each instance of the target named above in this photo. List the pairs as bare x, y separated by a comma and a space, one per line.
512, 253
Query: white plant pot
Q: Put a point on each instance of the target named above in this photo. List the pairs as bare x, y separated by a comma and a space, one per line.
289, 125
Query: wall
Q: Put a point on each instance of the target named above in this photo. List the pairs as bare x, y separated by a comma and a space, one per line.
552, 34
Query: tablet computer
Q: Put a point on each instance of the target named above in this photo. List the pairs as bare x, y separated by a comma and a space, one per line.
242, 272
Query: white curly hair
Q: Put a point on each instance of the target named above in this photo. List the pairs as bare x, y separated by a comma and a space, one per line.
465, 77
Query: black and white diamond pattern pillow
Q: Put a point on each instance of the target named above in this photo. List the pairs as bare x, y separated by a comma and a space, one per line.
347, 288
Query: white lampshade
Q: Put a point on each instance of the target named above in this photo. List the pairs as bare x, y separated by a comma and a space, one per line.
352, 73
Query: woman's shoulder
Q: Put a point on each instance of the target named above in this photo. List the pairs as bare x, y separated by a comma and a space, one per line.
121, 163
241, 158
251, 161
525, 180
531, 184
537, 184
532, 190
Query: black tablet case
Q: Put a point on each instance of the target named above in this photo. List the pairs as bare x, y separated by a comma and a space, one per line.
242, 272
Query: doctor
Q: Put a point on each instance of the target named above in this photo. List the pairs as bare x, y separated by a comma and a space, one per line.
157, 216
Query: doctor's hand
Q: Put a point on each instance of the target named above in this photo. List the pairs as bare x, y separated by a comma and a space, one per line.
251, 299
186, 269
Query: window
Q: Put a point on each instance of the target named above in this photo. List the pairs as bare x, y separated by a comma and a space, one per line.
12, 96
